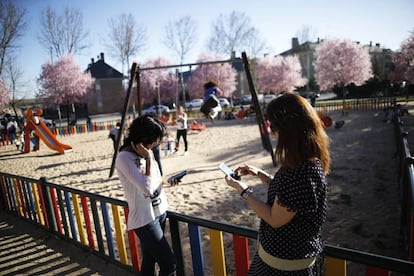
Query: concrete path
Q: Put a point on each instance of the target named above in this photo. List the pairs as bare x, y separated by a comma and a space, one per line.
27, 249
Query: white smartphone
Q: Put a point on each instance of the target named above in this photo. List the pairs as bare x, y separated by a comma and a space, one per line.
228, 171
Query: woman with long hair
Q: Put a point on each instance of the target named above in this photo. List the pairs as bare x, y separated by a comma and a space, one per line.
290, 239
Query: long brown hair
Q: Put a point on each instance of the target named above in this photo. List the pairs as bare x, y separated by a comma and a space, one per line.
301, 132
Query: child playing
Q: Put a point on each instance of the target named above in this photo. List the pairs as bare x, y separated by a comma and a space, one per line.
168, 141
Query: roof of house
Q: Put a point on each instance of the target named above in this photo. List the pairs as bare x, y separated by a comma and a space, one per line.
101, 70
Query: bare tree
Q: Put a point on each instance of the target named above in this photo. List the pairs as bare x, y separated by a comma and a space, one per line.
181, 36
306, 33
62, 34
232, 33
12, 25
255, 45
14, 76
126, 38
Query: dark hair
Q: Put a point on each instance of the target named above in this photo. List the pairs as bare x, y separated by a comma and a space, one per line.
209, 84
146, 130
301, 133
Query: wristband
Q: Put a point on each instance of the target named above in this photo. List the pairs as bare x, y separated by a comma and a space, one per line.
246, 193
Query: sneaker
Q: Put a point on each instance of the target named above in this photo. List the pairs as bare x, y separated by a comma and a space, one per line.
185, 153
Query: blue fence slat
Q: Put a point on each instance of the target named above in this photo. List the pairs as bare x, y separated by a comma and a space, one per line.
31, 200
108, 232
70, 216
196, 249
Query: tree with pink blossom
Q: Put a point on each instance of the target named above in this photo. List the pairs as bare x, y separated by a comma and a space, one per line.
64, 83
222, 73
158, 85
341, 62
279, 74
4, 94
404, 62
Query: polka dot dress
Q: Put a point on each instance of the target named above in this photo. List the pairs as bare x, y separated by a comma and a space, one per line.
302, 190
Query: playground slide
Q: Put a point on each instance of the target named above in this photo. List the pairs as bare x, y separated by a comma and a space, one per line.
49, 138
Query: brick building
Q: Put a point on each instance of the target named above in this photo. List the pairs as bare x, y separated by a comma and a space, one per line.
109, 95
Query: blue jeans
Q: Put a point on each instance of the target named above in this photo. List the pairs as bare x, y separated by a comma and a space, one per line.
155, 248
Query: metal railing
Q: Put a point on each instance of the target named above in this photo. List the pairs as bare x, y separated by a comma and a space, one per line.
406, 186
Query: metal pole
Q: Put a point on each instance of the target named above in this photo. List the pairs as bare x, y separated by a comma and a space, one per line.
159, 100
182, 85
125, 111
267, 145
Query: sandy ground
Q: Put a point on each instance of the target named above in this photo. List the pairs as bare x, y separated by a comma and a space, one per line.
363, 199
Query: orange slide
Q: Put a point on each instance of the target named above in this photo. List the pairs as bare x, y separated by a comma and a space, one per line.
44, 133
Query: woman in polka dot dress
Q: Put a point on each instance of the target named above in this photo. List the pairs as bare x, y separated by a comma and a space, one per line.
292, 216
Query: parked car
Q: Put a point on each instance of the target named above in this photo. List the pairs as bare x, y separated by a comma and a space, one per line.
170, 104
309, 94
194, 103
154, 108
224, 102
268, 98
246, 100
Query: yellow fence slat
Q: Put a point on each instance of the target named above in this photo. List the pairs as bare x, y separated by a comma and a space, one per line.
335, 267
78, 216
217, 252
36, 199
120, 240
17, 197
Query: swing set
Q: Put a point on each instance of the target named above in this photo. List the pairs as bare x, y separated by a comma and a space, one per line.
135, 76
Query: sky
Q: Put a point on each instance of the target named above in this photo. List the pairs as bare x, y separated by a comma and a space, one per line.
388, 22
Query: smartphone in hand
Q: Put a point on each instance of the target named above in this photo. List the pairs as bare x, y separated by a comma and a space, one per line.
177, 176
228, 171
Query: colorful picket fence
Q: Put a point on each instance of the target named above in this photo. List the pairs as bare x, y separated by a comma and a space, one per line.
83, 128
99, 223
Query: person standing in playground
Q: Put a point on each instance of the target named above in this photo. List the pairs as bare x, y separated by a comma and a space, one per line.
12, 129
289, 238
114, 133
142, 182
181, 120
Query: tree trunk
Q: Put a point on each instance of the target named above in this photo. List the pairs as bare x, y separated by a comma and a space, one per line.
15, 113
